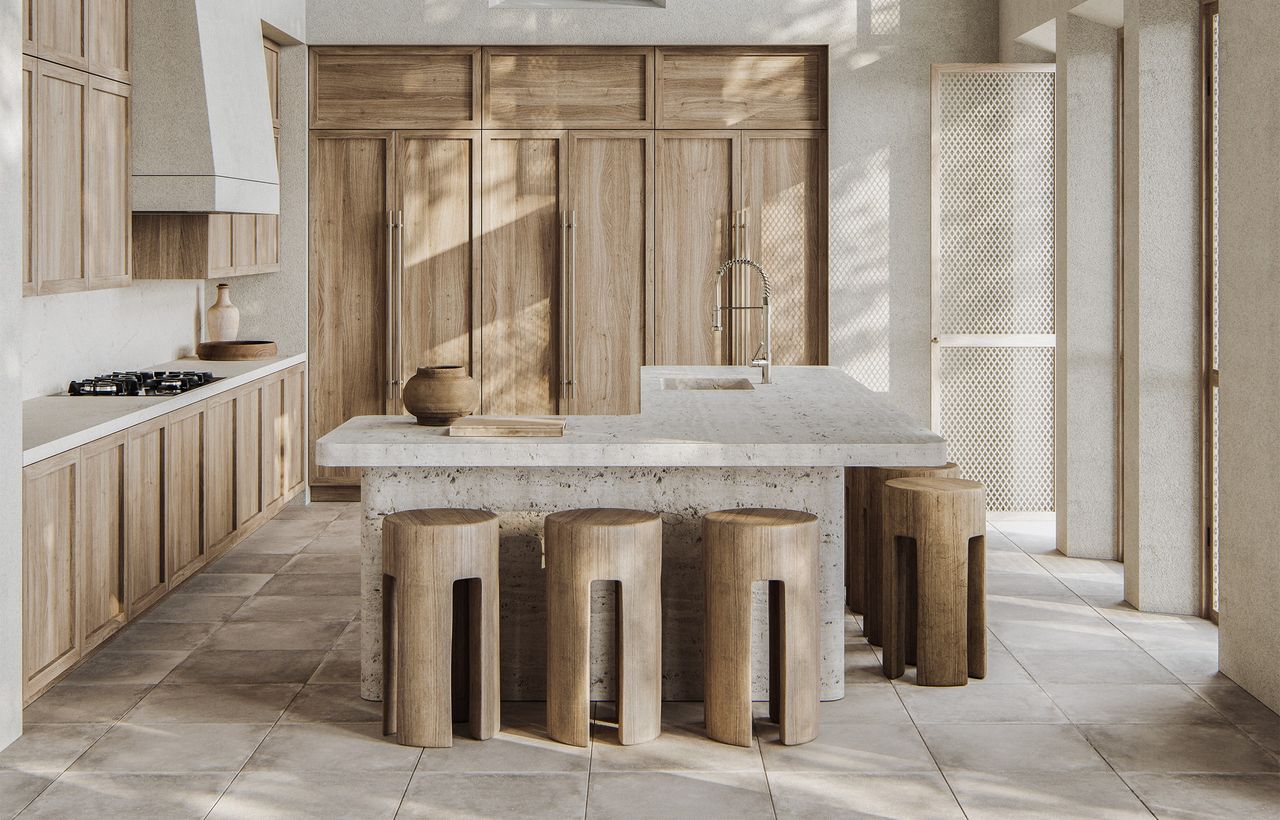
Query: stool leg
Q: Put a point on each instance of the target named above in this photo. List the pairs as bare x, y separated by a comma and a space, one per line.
943, 585
639, 661
728, 661
855, 558
485, 676
799, 660
390, 672
896, 569
424, 714
977, 621
568, 657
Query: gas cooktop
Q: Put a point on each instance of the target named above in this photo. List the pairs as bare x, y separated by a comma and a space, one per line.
142, 383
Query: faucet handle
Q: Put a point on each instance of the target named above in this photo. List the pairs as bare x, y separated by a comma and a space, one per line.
758, 356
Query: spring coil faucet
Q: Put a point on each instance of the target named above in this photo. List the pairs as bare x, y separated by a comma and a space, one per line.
764, 354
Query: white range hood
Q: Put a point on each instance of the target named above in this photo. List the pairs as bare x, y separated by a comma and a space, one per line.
202, 135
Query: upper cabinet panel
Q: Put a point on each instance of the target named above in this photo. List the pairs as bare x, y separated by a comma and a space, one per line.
107, 36
60, 32
395, 88
28, 27
568, 87
741, 87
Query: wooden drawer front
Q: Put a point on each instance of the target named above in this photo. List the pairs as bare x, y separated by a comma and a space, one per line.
49, 565
395, 88
183, 491
102, 538
741, 88
541, 88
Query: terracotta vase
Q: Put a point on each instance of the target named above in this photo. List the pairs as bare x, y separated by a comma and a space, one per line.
222, 319
439, 396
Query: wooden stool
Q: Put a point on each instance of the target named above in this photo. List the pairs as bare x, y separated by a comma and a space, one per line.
863, 567
426, 645
781, 547
604, 545
935, 538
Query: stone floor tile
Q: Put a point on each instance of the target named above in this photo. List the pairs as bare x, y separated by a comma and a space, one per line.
1093, 667
678, 795
257, 666
1171, 635
807, 796
678, 748
326, 511
980, 704
172, 748
136, 796
183, 608
307, 795
338, 667
66, 703
1014, 562
1266, 735
688, 714
862, 666
348, 583
349, 640
334, 544
161, 636
249, 562
1013, 584
213, 703
1131, 703
1192, 666
343, 748
295, 635
1096, 635
1039, 795
1056, 608
864, 704
129, 666
49, 748
225, 583
873, 747
516, 749
1196, 796
1140, 747
1237, 705
17, 789
1002, 668
332, 703
1037, 537
991, 747
432, 795
322, 564
299, 608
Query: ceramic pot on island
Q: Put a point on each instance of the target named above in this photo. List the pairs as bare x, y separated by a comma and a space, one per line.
222, 320
439, 396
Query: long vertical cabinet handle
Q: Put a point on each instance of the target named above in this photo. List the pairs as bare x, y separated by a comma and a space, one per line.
391, 312
399, 300
564, 311
573, 298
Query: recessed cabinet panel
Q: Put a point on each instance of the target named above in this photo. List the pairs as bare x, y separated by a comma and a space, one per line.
28, 27
184, 491
107, 30
293, 404
146, 563
248, 455
395, 87
219, 470
60, 32
61, 100
103, 503
523, 184
568, 88
741, 88
108, 217
274, 433
50, 554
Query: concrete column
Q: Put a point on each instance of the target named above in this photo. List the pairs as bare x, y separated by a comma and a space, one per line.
1088, 292
10, 372
1162, 306
1249, 258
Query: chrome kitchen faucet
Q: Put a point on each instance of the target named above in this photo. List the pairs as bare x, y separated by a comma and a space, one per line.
764, 354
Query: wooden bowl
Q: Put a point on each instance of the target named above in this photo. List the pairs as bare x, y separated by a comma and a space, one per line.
235, 351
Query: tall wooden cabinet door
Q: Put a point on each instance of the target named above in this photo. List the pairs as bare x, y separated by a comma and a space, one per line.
274, 427
184, 458
293, 419
29, 132
524, 183
28, 27
61, 34
108, 208
438, 197
103, 502
611, 249
784, 183
146, 562
107, 35
50, 557
350, 267
697, 204
219, 470
248, 454
61, 103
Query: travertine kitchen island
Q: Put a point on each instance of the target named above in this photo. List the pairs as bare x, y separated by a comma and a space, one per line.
687, 452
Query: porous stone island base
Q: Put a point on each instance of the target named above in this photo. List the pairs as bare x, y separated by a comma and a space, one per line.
688, 452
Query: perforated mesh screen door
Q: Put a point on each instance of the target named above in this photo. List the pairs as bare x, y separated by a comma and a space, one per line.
993, 278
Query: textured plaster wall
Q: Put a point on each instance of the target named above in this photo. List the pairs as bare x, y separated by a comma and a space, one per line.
10, 372
1162, 306
1088, 491
1249, 637
881, 53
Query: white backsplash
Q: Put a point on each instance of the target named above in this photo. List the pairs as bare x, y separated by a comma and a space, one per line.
76, 335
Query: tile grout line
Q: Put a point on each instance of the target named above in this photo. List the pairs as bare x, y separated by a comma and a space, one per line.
765, 766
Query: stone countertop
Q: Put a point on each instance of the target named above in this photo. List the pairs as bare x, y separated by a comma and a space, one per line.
808, 416
55, 424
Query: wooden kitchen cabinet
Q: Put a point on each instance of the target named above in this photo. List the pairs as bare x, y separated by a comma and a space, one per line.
220, 473
107, 208
102, 533
568, 87
50, 561
61, 32
248, 455
29, 136
741, 87
204, 246
28, 27
395, 87
292, 439
184, 466
274, 433
107, 38
146, 556
61, 105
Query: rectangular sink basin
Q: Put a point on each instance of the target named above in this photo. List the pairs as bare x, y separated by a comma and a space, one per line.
683, 383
